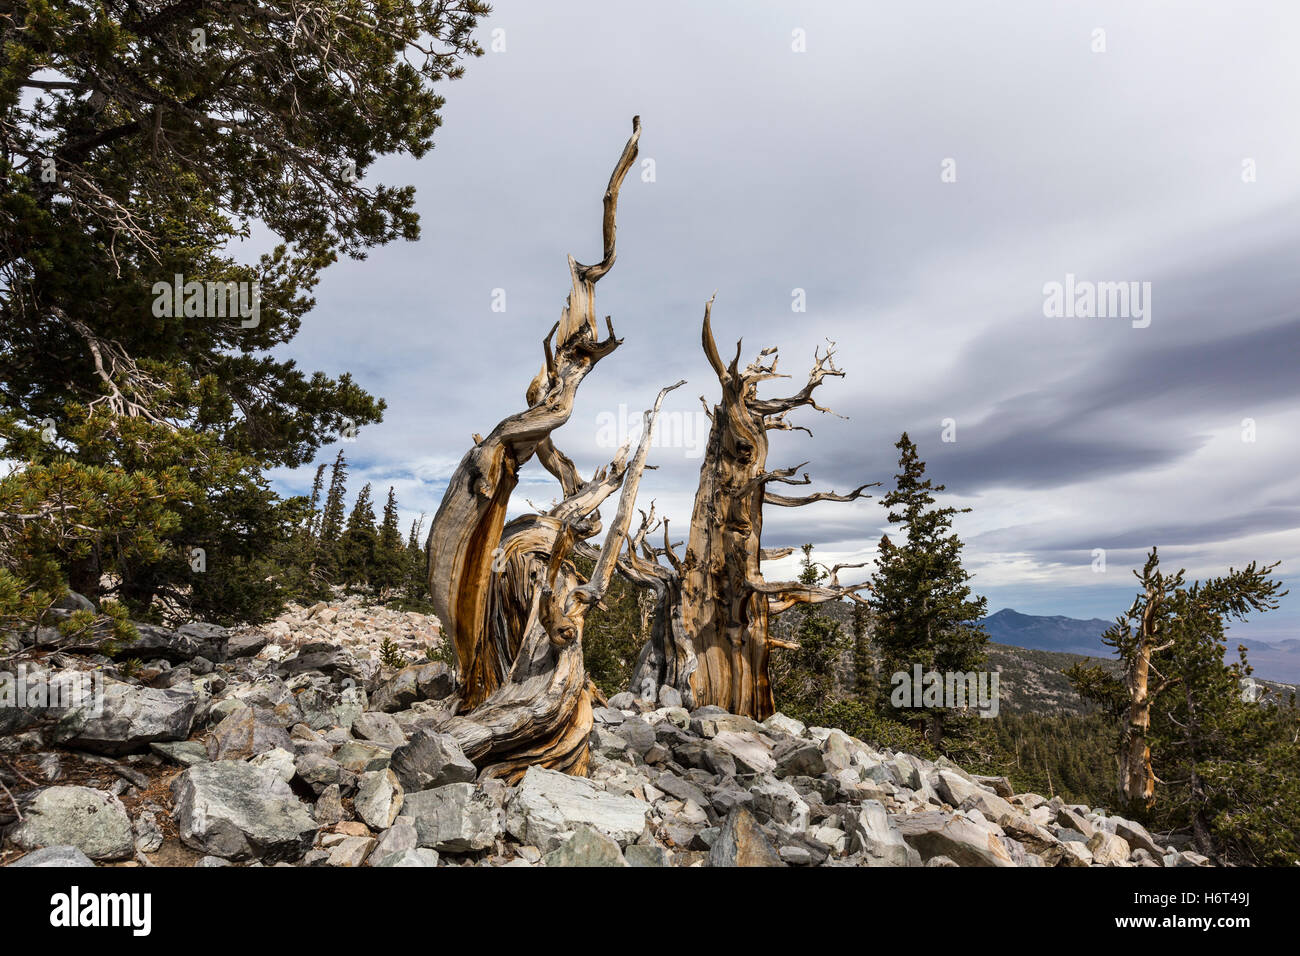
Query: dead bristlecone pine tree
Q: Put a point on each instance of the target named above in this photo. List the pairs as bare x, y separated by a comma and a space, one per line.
508, 594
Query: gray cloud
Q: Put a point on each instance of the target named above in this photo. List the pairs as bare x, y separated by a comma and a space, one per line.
820, 171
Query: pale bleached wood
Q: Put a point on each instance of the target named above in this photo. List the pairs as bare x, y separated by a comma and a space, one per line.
710, 639
503, 591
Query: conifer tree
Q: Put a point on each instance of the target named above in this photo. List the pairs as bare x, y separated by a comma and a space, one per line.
416, 567
390, 551
358, 544
317, 485
331, 521
804, 676
921, 601
136, 142
1193, 752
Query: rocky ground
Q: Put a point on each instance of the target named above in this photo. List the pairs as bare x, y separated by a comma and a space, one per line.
293, 745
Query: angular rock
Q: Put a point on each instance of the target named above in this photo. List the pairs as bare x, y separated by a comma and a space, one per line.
360, 756
751, 751
158, 643
431, 681
708, 722
54, 856
741, 843
999, 785
247, 732
321, 773
454, 818
416, 856
184, 752
880, 843
781, 724
351, 851
379, 799
238, 812
587, 847
646, 856
93, 821
638, 734
1074, 820
133, 718
778, 800
212, 639
281, 761
245, 645
548, 805
402, 835
606, 743
669, 696
799, 758
1108, 849
329, 807
378, 727
326, 705
796, 855
431, 760
148, 835
1136, 836
932, 834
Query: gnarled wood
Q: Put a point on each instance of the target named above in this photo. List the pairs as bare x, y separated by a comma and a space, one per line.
711, 643
505, 593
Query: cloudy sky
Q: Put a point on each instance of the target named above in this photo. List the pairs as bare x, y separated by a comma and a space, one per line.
1115, 142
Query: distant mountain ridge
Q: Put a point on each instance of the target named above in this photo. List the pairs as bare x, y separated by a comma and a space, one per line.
1069, 635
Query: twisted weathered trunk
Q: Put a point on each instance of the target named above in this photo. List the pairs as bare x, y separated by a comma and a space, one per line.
507, 595
719, 652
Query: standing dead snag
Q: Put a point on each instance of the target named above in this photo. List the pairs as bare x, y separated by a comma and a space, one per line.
718, 653
506, 594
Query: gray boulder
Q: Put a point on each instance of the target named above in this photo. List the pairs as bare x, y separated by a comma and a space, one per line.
587, 847
455, 818
548, 805
379, 799
431, 760
415, 856
741, 843
378, 727
93, 821
430, 681
239, 812
133, 718
880, 843
1136, 836
55, 856
932, 833
247, 732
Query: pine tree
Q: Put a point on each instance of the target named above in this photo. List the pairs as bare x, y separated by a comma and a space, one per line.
416, 562
390, 551
921, 600
317, 484
804, 678
358, 544
331, 522
1192, 752
110, 189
